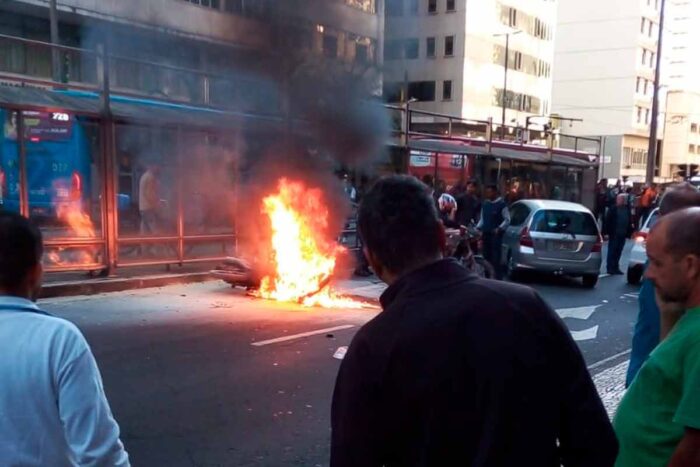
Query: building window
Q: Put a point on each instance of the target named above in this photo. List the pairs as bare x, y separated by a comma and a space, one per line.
422, 90
411, 49
362, 53
215, 4
447, 90
647, 116
394, 7
644, 25
644, 56
639, 115
517, 101
430, 47
432, 6
694, 127
330, 46
639, 84
450, 5
413, 7
449, 46
653, 60
691, 149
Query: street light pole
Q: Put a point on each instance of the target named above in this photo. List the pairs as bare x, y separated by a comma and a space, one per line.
505, 79
651, 154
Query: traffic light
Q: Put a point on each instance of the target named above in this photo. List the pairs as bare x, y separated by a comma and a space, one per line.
65, 68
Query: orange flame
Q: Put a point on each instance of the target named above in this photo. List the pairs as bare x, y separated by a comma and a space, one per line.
304, 258
80, 226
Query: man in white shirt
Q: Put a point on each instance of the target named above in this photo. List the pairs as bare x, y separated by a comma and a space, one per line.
53, 409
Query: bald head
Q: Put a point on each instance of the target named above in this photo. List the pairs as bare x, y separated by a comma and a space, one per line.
682, 232
677, 197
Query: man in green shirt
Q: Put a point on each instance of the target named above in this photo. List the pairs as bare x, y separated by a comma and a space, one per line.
658, 421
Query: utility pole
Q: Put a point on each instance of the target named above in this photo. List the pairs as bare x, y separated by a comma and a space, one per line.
55, 53
505, 79
651, 154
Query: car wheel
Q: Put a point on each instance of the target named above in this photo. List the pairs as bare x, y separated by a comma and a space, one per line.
590, 281
511, 271
634, 274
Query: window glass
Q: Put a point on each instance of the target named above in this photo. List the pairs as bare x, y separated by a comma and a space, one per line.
556, 221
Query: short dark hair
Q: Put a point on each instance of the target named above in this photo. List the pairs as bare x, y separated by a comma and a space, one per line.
682, 236
679, 196
492, 186
20, 249
399, 224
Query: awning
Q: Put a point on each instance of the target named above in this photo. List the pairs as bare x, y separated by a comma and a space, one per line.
446, 146
147, 111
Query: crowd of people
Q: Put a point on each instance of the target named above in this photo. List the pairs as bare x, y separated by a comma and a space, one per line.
455, 370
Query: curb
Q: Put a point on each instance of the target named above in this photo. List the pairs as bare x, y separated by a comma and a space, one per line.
98, 286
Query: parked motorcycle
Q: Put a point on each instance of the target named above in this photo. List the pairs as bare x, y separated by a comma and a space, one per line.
464, 245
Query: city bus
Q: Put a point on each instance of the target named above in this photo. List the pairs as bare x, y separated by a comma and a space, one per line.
57, 158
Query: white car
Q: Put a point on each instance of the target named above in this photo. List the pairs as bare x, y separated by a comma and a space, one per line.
638, 256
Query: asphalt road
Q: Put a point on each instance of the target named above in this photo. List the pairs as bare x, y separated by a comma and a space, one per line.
201, 375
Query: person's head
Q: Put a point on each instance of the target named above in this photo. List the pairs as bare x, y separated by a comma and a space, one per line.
673, 248
428, 180
677, 197
399, 227
472, 187
21, 249
491, 192
621, 200
446, 203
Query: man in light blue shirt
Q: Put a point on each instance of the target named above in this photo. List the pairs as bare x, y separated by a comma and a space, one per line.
53, 409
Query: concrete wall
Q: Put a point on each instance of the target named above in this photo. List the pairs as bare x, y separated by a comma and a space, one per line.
682, 130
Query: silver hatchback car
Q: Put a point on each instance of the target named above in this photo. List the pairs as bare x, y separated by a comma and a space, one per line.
553, 236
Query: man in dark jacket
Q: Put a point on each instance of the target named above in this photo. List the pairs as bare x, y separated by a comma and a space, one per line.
457, 370
618, 229
495, 219
468, 205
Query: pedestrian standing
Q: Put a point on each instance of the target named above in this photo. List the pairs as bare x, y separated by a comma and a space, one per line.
468, 205
53, 409
658, 420
619, 228
495, 219
149, 202
457, 370
647, 330
646, 202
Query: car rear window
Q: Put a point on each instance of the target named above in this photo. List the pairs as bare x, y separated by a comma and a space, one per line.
555, 221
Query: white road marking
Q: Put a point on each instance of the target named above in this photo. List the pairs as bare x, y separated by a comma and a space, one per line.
603, 275
582, 312
586, 334
301, 335
609, 359
340, 353
631, 295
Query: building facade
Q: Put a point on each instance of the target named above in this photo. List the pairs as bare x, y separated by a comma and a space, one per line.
604, 68
449, 56
680, 155
239, 40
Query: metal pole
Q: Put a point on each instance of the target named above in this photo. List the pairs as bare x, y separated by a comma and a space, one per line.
109, 165
505, 89
23, 188
602, 157
651, 154
180, 203
55, 53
